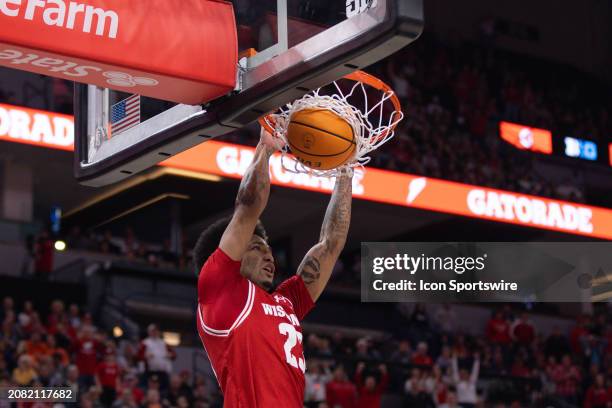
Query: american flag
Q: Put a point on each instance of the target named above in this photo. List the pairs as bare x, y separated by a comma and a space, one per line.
125, 114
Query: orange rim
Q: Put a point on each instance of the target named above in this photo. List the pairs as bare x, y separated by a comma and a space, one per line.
267, 121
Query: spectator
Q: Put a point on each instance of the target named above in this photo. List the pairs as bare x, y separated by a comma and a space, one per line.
444, 360
451, 401
46, 370
498, 330
556, 344
157, 356
421, 356
24, 374
341, 393
403, 354
317, 376
152, 400
125, 401
598, 395
579, 331
364, 349
130, 385
419, 319
523, 331
27, 318
465, 382
43, 256
369, 390
107, 378
176, 390
35, 347
446, 319
56, 316
566, 377
74, 317
8, 306
416, 394
87, 348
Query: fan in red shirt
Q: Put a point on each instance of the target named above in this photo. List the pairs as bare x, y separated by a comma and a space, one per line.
130, 383
598, 395
420, 356
252, 334
522, 330
498, 330
578, 333
107, 375
340, 392
87, 349
369, 390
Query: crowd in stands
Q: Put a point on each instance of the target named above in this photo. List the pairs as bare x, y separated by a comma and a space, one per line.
41, 250
454, 97
66, 349
509, 364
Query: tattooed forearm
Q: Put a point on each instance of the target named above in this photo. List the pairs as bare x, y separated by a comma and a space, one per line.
338, 215
255, 186
317, 266
310, 269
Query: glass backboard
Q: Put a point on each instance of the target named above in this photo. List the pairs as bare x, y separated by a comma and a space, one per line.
286, 49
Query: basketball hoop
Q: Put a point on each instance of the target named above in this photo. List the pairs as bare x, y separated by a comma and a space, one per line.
373, 123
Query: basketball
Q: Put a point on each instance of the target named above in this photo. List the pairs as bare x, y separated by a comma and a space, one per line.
320, 139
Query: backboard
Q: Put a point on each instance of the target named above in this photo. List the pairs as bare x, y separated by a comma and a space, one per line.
286, 48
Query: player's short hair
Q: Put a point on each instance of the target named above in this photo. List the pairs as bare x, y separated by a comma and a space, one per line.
210, 238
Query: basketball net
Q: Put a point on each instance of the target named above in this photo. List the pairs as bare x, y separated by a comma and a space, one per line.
372, 127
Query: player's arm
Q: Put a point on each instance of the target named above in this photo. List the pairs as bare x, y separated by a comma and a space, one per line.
317, 265
251, 200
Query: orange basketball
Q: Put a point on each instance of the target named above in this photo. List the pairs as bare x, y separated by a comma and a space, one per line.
320, 139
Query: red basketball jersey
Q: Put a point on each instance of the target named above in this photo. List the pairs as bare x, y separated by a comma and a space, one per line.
253, 338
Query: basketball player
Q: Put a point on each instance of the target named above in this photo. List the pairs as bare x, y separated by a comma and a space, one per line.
251, 332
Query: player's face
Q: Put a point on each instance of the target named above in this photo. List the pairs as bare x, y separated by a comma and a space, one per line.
258, 263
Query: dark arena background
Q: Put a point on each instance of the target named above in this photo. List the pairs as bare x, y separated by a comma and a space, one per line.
98, 287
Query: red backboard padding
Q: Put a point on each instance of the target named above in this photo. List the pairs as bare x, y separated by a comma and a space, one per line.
178, 50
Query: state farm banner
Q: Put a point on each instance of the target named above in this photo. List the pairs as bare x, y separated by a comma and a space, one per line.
413, 191
178, 50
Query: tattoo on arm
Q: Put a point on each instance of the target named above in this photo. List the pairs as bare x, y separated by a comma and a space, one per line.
310, 270
255, 186
338, 215
317, 266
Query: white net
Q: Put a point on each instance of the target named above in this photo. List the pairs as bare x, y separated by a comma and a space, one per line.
373, 123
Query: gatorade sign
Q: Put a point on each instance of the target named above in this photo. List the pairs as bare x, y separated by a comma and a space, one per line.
36, 127
389, 187
409, 190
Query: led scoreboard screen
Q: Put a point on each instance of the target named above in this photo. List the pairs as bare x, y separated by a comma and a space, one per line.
543, 141
580, 148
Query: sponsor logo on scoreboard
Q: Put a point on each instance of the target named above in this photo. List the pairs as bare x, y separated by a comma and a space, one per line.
71, 16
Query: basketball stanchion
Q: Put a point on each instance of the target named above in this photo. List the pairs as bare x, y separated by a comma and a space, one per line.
329, 127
